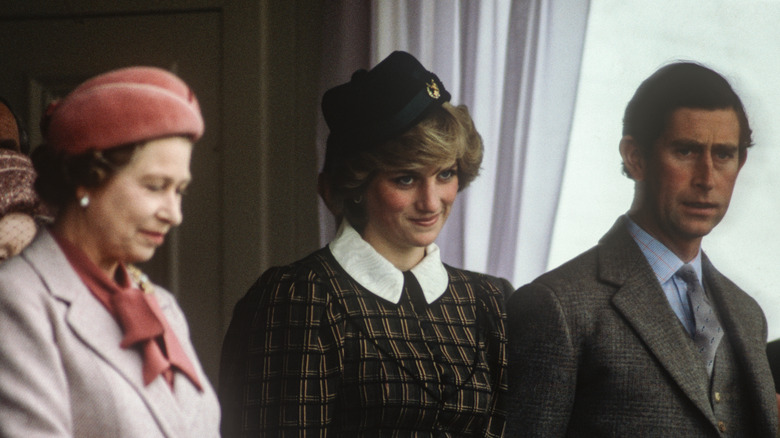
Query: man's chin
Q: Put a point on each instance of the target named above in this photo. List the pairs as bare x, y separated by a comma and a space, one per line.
697, 230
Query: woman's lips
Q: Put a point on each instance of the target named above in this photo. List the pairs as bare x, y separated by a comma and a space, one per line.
155, 237
426, 222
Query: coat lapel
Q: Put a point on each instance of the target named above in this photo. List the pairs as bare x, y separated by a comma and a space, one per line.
748, 350
641, 301
96, 328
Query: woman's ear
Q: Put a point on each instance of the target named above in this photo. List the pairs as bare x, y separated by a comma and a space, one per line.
633, 158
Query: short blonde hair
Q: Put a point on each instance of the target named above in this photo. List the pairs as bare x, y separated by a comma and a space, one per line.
443, 135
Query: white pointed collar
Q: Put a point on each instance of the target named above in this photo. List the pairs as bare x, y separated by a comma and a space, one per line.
374, 272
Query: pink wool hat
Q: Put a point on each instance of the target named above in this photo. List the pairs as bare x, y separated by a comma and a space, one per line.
120, 107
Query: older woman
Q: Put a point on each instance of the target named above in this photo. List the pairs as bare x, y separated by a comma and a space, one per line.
91, 348
373, 335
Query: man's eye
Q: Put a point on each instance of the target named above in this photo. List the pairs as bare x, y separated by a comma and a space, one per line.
684, 151
725, 155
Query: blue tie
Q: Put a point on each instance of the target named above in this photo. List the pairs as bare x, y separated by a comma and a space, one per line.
708, 332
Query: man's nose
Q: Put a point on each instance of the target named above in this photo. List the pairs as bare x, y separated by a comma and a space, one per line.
705, 168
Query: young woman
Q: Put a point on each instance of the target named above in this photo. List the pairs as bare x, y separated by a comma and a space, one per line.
90, 347
373, 335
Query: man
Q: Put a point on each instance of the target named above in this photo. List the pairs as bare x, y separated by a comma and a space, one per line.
617, 342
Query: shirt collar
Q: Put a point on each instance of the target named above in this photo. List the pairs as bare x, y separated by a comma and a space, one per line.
375, 273
662, 260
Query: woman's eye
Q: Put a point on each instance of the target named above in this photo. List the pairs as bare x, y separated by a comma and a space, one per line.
156, 185
447, 174
405, 180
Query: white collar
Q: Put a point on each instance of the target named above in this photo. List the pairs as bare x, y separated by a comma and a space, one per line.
375, 273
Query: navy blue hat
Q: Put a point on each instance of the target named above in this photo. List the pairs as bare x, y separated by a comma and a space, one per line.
377, 105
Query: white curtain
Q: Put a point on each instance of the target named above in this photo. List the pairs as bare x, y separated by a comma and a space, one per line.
515, 64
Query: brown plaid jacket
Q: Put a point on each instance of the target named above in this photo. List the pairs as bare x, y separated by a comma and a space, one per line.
310, 352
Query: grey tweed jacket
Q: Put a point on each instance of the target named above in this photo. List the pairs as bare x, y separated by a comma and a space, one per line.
595, 350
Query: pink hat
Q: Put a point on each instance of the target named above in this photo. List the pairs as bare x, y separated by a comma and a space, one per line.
123, 106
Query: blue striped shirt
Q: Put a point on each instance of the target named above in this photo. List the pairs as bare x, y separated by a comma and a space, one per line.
665, 264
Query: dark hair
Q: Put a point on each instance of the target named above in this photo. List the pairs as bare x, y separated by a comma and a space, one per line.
445, 133
680, 85
60, 174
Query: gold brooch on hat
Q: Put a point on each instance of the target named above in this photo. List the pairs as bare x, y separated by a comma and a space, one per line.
433, 89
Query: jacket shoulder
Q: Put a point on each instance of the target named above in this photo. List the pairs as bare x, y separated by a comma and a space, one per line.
582, 269
489, 284
739, 303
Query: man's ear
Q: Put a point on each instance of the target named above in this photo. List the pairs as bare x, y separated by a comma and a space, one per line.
633, 158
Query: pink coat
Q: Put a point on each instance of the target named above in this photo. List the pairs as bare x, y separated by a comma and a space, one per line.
62, 372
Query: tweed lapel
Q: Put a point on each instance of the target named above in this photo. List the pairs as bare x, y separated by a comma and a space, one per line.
748, 351
96, 328
641, 301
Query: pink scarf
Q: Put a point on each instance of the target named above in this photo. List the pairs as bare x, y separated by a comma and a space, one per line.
137, 313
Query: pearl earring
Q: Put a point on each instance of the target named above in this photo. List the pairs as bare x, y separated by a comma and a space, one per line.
84, 201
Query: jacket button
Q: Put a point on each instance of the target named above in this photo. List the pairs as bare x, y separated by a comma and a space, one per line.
717, 397
721, 426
